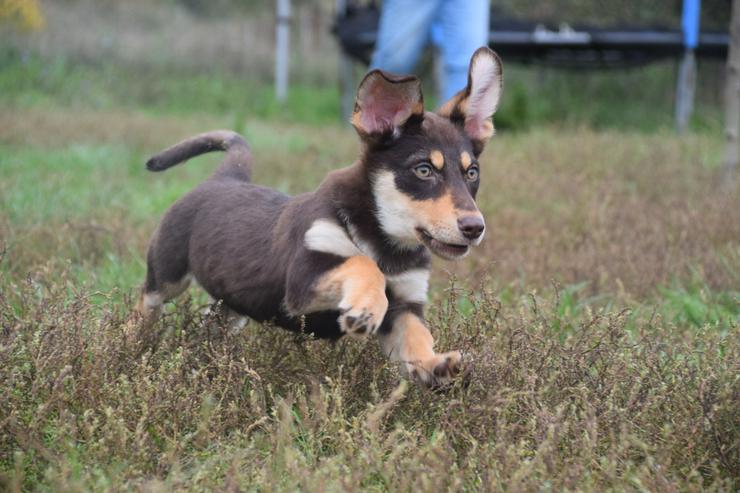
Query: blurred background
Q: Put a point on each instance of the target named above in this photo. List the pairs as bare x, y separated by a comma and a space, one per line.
219, 55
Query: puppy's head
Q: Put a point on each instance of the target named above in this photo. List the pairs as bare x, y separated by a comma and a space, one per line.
424, 166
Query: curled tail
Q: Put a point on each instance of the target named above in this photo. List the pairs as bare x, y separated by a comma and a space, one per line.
237, 163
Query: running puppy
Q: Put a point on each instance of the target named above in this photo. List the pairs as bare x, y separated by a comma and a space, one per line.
353, 256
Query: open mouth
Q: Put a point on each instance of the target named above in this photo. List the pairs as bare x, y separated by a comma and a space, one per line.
444, 250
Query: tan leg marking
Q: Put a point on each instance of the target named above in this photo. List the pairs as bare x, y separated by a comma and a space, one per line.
411, 344
437, 159
357, 289
148, 308
150, 304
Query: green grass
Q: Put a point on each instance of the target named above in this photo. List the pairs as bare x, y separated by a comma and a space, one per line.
698, 306
35, 82
533, 96
599, 316
46, 185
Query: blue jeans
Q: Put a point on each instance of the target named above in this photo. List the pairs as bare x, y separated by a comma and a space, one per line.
456, 27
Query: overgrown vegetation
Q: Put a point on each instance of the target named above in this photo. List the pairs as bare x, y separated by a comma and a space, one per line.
587, 401
599, 318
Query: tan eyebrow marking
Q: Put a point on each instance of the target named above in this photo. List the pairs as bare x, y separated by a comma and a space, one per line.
465, 159
437, 159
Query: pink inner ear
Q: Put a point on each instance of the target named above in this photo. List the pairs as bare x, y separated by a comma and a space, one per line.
382, 113
480, 129
474, 127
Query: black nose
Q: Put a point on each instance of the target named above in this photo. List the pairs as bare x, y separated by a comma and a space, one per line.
471, 226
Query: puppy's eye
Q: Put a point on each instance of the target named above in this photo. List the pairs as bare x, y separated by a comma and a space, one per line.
424, 171
472, 173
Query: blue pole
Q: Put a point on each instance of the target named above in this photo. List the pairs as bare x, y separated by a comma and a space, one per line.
687, 69
690, 23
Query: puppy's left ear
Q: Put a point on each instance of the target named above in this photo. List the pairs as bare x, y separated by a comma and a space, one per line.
473, 107
385, 103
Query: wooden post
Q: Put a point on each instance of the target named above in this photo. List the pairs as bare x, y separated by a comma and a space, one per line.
282, 49
732, 96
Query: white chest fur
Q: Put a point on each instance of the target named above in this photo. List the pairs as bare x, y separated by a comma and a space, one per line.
327, 236
410, 286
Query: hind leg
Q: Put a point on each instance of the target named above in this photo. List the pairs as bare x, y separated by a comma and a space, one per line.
150, 302
167, 277
232, 320
138, 331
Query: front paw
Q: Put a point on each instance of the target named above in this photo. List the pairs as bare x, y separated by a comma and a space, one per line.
437, 371
363, 318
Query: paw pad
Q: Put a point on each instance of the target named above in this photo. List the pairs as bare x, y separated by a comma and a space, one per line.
359, 324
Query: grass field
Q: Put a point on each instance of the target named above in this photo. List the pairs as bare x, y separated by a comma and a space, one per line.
599, 317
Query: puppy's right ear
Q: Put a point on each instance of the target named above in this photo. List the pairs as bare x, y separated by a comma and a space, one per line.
385, 103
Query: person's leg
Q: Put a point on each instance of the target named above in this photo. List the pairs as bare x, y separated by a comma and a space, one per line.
402, 34
464, 26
